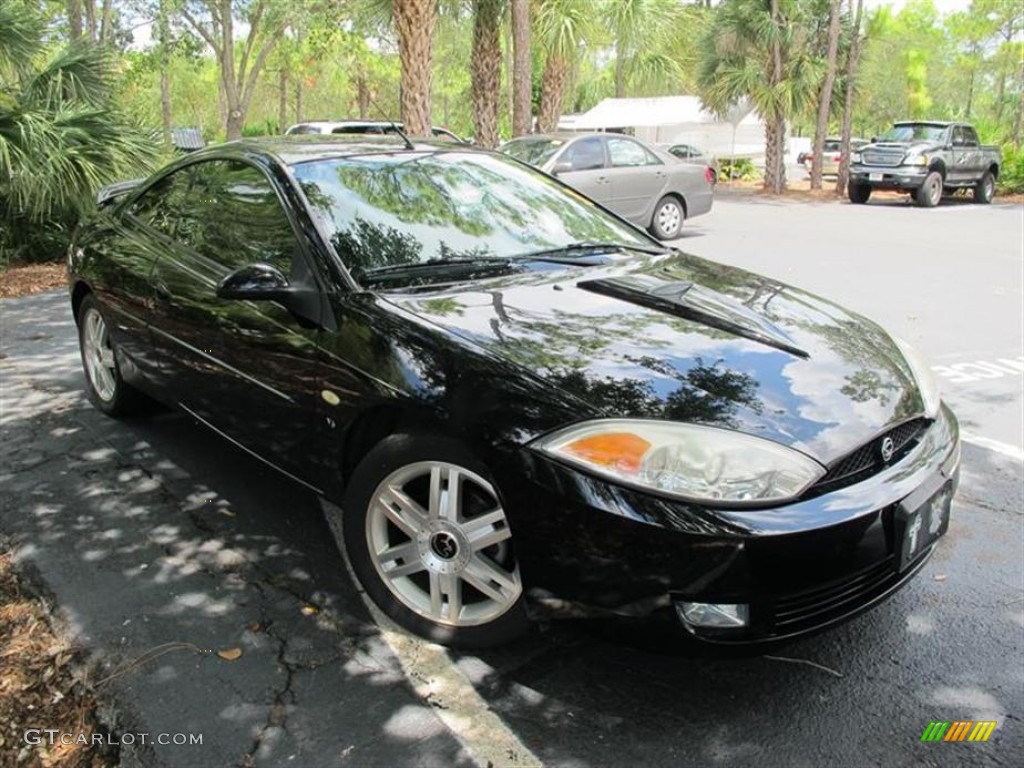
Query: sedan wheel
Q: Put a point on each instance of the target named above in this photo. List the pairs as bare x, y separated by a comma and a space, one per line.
668, 218
427, 536
105, 387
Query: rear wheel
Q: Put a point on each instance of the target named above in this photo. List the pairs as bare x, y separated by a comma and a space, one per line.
668, 218
426, 534
104, 385
985, 189
929, 193
858, 193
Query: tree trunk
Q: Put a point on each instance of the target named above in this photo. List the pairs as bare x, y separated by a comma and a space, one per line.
163, 36
89, 7
416, 21
620, 70
522, 75
363, 95
486, 71
1020, 110
106, 19
75, 19
774, 165
282, 101
825, 99
298, 100
552, 89
846, 131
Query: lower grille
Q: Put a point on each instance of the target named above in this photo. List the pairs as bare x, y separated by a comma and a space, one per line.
867, 460
888, 159
814, 606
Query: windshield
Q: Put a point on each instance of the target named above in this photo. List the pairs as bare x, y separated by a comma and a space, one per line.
533, 151
404, 208
915, 132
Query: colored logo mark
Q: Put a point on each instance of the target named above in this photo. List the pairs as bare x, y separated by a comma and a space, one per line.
959, 730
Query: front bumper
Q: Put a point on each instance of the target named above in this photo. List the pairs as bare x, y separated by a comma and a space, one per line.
903, 177
588, 547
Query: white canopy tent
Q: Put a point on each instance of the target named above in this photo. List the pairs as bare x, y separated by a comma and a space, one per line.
676, 120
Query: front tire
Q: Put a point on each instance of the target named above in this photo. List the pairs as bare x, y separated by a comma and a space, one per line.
929, 193
858, 193
104, 385
428, 539
667, 220
985, 189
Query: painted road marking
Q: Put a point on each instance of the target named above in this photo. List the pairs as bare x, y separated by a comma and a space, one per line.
439, 681
979, 370
1013, 451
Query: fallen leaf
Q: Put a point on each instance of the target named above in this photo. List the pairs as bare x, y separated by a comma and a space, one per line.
940, 577
310, 610
230, 654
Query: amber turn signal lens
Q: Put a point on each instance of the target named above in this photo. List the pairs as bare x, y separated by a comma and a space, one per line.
622, 450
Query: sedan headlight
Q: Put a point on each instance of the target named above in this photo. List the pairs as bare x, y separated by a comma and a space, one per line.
687, 461
926, 382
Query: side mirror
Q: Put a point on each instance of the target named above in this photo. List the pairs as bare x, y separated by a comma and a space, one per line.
563, 166
255, 282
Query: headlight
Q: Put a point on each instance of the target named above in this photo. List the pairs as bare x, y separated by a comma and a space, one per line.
687, 461
926, 382
916, 160
854, 158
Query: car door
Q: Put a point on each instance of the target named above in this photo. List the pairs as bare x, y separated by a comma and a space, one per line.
246, 368
975, 164
962, 160
587, 172
638, 177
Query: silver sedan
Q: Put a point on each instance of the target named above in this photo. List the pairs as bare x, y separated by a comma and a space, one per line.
647, 186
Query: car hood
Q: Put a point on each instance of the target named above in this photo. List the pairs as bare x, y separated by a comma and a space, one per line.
905, 146
684, 339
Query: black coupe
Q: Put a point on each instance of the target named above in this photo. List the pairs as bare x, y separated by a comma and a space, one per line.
523, 405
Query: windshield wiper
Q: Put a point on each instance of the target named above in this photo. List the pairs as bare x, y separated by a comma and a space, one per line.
575, 250
393, 270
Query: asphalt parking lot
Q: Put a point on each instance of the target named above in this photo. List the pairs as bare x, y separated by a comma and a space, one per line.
151, 532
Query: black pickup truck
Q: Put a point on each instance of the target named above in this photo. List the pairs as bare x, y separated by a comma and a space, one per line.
926, 159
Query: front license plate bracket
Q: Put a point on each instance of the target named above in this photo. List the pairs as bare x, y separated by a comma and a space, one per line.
921, 525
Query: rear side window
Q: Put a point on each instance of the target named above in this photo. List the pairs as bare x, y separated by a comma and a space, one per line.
584, 154
627, 153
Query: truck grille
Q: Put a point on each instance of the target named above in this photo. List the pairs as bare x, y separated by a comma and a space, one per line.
867, 460
887, 159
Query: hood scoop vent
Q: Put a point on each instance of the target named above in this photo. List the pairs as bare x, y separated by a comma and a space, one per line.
693, 302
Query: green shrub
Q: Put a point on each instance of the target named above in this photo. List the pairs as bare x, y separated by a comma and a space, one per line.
741, 168
1011, 175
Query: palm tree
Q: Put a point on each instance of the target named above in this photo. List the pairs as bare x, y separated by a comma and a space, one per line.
522, 69
642, 30
825, 100
562, 26
61, 135
416, 21
486, 70
852, 62
760, 50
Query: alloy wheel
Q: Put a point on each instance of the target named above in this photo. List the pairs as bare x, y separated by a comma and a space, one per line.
439, 540
99, 356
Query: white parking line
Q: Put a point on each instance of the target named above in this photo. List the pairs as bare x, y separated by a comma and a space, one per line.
1013, 451
437, 680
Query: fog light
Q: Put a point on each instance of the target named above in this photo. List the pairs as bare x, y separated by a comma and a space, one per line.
715, 615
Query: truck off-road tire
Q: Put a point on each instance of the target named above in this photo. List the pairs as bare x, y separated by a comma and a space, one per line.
858, 193
985, 189
929, 193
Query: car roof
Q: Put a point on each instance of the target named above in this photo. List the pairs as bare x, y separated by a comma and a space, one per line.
292, 150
